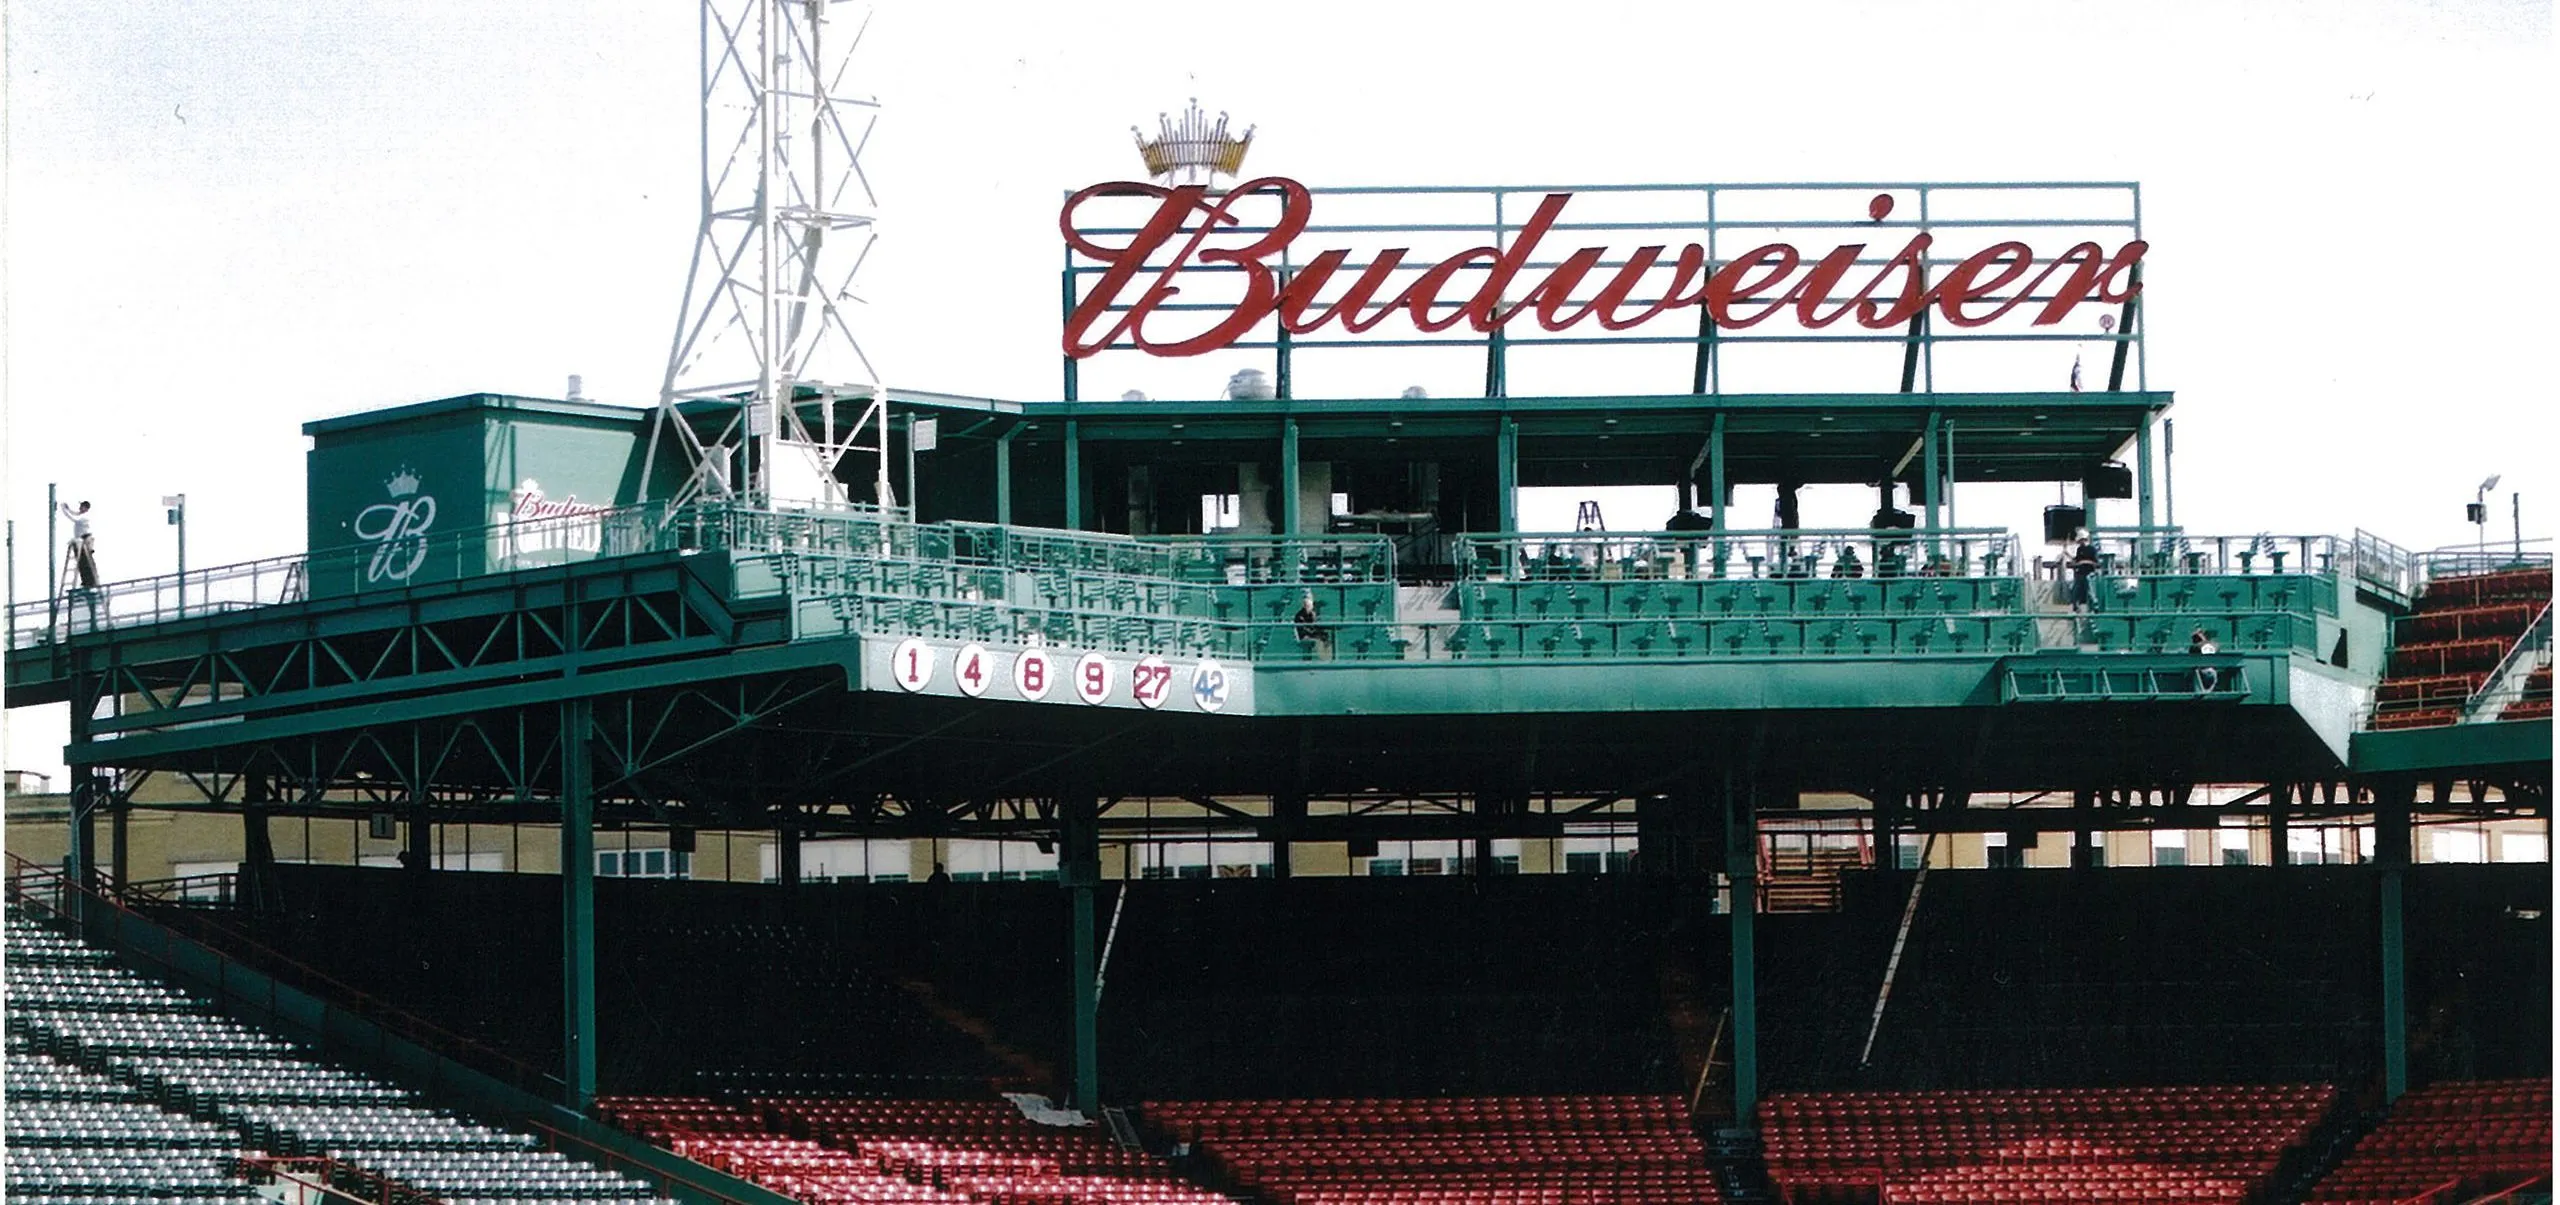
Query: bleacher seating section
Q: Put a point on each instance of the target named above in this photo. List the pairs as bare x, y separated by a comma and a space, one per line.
2479, 1136
2255, 612
2444, 650
2202, 1144
121, 1088
829, 1150
2535, 703
1743, 617
1516, 1150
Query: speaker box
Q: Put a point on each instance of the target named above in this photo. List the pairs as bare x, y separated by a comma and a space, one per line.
2062, 522
2109, 480
382, 827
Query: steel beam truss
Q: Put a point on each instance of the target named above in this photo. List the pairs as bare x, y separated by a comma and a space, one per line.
765, 354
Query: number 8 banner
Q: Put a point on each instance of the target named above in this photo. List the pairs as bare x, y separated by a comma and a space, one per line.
1031, 675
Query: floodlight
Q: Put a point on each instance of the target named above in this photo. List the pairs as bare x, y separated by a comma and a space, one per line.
2490, 484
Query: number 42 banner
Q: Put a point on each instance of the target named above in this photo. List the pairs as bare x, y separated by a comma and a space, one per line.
1052, 674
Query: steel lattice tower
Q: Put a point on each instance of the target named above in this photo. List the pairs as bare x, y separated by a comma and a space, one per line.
774, 383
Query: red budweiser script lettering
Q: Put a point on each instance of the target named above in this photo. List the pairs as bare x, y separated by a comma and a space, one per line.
1743, 292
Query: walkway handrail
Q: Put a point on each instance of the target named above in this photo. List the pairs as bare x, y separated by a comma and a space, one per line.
2508, 1193
2382, 566
2505, 684
341, 571
313, 1173
2462, 560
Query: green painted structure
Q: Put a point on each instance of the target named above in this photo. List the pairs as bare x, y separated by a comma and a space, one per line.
606, 659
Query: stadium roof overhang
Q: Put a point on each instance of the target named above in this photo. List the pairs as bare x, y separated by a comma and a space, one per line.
1810, 438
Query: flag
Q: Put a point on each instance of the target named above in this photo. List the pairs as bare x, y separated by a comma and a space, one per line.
2075, 374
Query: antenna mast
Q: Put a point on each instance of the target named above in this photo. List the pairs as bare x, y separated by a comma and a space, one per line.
768, 390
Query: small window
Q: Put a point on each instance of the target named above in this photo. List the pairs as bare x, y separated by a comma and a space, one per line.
1582, 864
1386, 867
2457, 845
2169, 848
609, 862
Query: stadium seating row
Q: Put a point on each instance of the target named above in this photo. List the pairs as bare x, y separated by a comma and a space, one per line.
830, 1150
2479, 1135
123, 1087
1712, 598
1425, 1152
1772, 637
2302, 594
2158, 1144
2460, 629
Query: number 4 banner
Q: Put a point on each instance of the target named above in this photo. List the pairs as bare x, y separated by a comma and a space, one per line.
1073, 677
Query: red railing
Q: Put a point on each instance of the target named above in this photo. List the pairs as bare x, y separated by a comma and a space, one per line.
2509, 1193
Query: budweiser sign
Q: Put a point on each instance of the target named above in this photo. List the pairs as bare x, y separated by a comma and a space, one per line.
1142, 275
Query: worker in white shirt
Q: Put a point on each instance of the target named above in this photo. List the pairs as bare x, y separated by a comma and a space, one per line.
83, 550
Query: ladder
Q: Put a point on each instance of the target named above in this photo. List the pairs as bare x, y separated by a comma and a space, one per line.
68, 587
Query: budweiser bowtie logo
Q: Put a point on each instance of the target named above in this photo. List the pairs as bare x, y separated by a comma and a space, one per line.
1744, 292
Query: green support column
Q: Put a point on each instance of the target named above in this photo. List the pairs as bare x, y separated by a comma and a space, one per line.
1004, 476
2280, 825
1719, 491
577, 905
2142, 477
1075, 479
1742, 867
79, 854
420, 834
119, 863
1080, 868
1289, 484
1931, 476
2391, 853
1288, 812
1066, 306
1506, 474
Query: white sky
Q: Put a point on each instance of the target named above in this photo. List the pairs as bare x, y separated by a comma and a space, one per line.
229, 217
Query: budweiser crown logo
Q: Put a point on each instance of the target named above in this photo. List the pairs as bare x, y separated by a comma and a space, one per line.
1194, 144
403, 483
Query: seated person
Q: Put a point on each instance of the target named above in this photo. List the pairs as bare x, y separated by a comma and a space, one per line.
1848, 565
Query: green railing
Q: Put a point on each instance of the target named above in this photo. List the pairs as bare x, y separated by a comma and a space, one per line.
1800, 593
386, 564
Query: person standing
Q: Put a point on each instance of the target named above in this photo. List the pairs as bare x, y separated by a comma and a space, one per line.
2084, 565
83, 550
2208, 678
